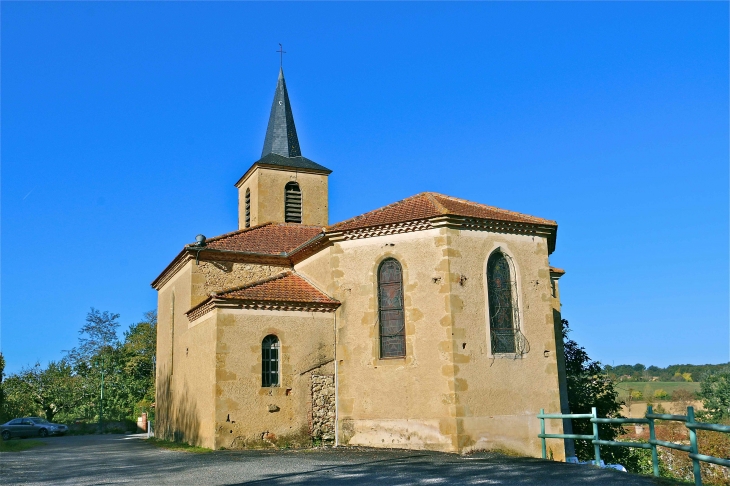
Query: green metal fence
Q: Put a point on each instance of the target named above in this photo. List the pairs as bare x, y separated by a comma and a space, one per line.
649, 418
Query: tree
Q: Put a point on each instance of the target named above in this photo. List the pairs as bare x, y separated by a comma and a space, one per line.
3, 417
48, 391
140, 345
91, 359
98, 334
715, 395
589, 386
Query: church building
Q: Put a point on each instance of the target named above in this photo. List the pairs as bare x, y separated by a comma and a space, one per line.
431, 323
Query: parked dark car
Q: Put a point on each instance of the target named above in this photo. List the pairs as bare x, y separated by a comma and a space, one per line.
31, 427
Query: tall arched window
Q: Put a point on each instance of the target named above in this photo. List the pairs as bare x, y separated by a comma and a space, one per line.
292, 203
390, 310
248, 208
500, 289
270, 361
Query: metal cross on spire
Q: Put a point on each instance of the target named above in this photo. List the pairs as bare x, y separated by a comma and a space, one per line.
281, 52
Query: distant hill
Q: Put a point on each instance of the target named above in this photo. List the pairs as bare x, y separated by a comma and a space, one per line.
679, 372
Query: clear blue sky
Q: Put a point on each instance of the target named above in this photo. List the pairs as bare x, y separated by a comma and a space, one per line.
126, 124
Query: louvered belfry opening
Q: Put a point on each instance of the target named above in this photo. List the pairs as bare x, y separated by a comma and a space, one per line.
248, 208
292, 203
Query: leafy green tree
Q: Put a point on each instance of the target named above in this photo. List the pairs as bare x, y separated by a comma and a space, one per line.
48, 391
93, 361
589, 386
3, 415
140, 346
715, 395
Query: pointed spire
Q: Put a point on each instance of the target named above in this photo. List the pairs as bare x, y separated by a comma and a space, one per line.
281, 134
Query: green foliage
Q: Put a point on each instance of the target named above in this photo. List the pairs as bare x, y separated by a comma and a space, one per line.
678, 372
3, 416
589, 386
41, 391
647, 389
715, 395
660, 394
70, 390
636, 395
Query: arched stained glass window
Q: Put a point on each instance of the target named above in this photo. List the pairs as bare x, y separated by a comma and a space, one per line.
248, 208
292, 203
390, 307
270, 361
500, 289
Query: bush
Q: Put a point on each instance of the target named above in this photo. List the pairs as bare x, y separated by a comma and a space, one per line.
636, 395
660, 394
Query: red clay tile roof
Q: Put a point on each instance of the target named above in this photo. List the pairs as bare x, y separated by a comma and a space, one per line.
430, 204
268, 238
556, 270
285, 287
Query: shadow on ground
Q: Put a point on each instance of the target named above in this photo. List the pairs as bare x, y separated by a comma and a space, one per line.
116, 459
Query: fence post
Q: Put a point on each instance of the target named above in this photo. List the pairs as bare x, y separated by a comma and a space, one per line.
596, 447
652, 439
693, 446
542, 431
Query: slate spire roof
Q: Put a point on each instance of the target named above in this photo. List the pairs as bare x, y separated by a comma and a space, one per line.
281, 134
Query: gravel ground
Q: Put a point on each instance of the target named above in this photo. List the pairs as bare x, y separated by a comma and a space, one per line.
118, 459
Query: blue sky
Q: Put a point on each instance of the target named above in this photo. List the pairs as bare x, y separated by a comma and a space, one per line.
126, 124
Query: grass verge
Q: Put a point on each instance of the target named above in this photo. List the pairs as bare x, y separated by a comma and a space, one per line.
177, 446
17, 445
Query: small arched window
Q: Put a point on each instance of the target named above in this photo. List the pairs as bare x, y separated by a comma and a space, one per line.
270, 361
390, 310
248, 208
500, 289
292, 203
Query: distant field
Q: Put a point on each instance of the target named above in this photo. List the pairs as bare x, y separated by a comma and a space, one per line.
647, 388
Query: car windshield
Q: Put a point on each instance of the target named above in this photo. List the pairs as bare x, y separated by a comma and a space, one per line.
39, 420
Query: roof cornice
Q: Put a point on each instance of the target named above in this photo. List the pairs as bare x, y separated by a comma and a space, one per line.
263, 165
209, 254
449, 221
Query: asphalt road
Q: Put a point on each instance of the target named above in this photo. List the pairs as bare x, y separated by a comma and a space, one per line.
120, 459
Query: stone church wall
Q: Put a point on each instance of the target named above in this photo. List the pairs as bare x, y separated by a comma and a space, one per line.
449, 392
498, 396
216, 276
185, 392
249, 415
399, 402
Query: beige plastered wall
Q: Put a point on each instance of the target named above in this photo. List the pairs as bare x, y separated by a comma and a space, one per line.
186, 352
267, 196
185, 367
499, 396
248, 414
450, 392
407, 402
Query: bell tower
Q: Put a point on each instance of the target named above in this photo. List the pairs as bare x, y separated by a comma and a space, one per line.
282, 186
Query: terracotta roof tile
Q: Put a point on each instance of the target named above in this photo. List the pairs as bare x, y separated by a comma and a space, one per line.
268, 238
428, 205
285, 287
556, 270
